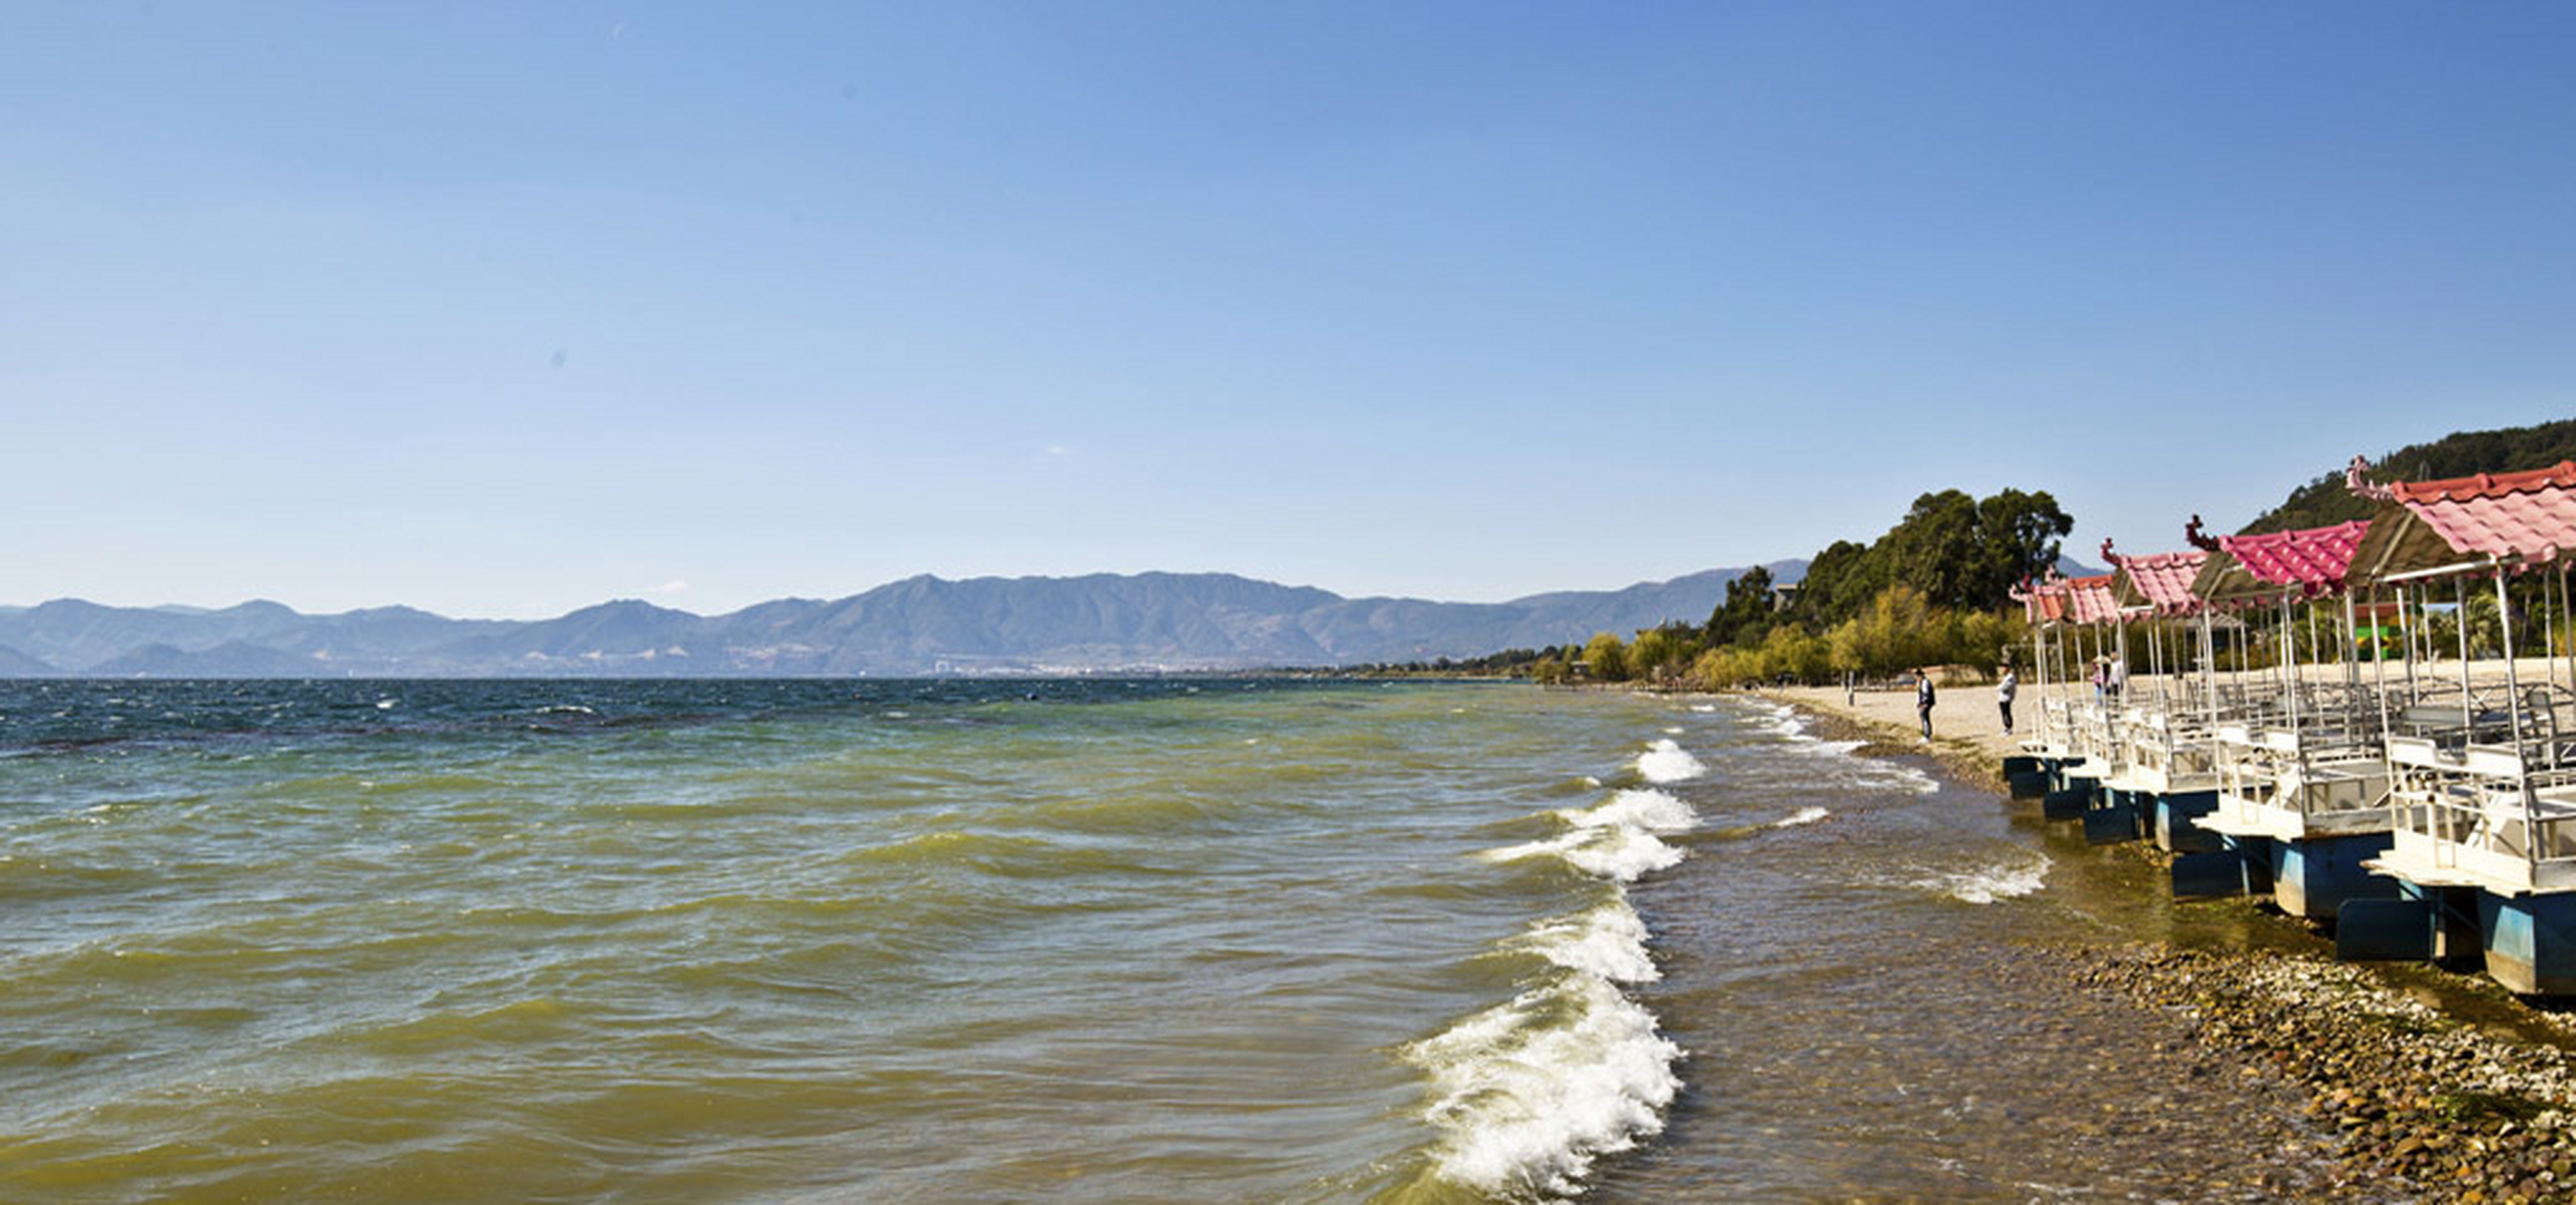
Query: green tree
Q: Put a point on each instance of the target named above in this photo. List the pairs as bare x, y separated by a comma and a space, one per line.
1897, 632
1840, 581
1605, 658
1788, 651
1746, 613
1962, 553
2486, 632
1935, 549
2018, 536
1663, 653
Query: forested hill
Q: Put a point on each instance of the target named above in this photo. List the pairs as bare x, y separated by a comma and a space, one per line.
2326, 501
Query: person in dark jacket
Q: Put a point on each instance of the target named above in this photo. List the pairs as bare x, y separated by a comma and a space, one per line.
1923, 703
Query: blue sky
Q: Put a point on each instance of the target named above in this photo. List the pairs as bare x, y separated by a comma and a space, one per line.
502, 310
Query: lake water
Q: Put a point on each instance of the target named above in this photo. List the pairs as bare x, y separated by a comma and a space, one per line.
1278, 941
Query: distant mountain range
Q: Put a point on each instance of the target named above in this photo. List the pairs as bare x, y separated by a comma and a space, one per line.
1104, 623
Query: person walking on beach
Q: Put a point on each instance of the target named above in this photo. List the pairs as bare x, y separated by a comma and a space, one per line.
2004, 691
1923, 702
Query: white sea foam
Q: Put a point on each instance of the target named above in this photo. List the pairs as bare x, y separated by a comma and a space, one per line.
1590, 781
1665, 761
1608, 941
1889, 776
1988, 884
1703, 708
1614, 839
1529, 1093
1648, 809
1805, 815
1611, 851
1672, 731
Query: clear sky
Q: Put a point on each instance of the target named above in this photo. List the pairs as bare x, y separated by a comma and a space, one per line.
502, 310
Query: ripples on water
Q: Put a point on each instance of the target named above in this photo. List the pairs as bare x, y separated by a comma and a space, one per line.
1074, 941
747, 941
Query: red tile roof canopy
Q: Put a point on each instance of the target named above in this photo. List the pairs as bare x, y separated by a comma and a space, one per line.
2091, 600
2314, 559
2044, 602
2529, 516
2162, 581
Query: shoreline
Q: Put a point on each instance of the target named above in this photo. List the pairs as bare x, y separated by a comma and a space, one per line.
2401, 1095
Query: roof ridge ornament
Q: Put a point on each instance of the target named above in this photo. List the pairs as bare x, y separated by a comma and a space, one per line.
2109, 556
2360, 485
2192, 534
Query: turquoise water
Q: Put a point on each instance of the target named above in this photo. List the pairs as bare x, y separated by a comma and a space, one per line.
1099, 941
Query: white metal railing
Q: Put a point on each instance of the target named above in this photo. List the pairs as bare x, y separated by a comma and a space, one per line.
2468, 794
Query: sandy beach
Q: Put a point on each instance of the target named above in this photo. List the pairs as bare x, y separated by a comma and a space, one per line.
2419, 1084
1967, 730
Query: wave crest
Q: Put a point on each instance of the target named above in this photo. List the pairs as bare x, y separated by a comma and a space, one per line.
1531, 1092
1666, 761
1986, 885
1608, 941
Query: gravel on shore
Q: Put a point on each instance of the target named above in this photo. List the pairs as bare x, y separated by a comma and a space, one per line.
2427, 1105
2409, 1103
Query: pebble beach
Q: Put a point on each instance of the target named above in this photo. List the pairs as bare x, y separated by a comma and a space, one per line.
2405, 1083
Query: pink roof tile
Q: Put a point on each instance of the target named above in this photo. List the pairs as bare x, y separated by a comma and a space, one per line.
2043, 602
2090, 599
2163, 581
2314, 558
2531, 515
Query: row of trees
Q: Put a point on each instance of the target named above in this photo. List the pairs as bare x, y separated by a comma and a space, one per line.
1899, 629
1962, 554
1932, 590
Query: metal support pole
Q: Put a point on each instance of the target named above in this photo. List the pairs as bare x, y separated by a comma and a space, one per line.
2548, 634
2290, 659
2567, 622
2208, 666
2460, 597
2406, 630
2513, 716
2378, 664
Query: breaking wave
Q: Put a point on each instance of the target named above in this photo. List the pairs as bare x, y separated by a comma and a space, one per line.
1615, 852
1615, 839
1665, 761
1608, 941
1987, 885
1529, 1093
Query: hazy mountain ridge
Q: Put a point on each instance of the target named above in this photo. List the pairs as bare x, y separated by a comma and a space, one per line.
920, 625
15, 664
